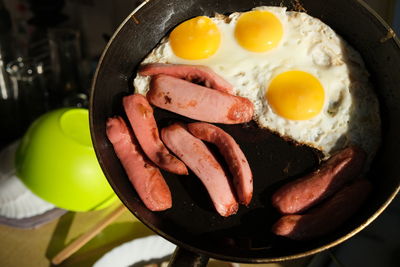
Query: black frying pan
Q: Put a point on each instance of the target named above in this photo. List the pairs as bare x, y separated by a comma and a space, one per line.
192, 223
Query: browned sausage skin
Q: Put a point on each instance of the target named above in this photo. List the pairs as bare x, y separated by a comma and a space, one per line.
195, 154
198, 102
301, 194
191, 73
236, 160
327, 217
144, 176
141, 118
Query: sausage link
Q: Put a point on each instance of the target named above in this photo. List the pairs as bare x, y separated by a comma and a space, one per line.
195, 154
327, 217
144, 176
191, 73
198, 102
236, 160
301, 194
141, 118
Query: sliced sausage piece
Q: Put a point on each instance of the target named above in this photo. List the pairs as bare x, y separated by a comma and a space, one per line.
145, 177
327, 217
141, 118
236, 160
198, 102
191, 73
301, 194
195, 154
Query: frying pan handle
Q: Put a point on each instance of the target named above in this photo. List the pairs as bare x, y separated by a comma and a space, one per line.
183, 257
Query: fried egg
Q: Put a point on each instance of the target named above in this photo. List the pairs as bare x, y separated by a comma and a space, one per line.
306, 83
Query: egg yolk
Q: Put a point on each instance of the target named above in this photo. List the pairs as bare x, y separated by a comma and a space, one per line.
258, 31
296, 95
196, 38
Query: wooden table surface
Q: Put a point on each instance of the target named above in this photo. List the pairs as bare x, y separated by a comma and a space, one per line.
35, 247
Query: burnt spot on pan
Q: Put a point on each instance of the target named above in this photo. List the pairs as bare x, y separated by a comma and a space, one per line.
135, 20
298, 6
389, 35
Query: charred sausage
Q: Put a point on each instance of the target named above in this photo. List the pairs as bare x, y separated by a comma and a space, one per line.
195, 154
301, 194
198, 102
327, 217
144, 176
191, 73
236, 160
141, 118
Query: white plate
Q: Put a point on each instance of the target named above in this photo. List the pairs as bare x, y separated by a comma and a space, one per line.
137, 250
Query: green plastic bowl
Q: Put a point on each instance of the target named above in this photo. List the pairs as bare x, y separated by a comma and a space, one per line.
57, 162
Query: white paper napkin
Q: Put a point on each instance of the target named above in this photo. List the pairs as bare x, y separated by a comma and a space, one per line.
16, 200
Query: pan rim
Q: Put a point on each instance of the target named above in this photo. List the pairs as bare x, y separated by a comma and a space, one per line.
188, 247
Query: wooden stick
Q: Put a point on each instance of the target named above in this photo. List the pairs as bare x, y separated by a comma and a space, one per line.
86, 237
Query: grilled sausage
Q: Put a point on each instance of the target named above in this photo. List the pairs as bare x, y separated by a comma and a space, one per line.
198, 102
237, 162
140, 115
191, 73
301, 194
327, 217
144, 176
195, 154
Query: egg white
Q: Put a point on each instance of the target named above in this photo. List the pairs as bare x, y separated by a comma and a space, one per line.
350, 113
